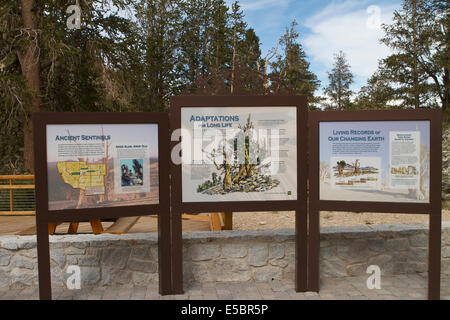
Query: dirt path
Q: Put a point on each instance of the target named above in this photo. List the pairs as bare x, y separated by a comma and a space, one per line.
241, 221
285, 219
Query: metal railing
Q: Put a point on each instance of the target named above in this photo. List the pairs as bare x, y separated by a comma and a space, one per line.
17, 196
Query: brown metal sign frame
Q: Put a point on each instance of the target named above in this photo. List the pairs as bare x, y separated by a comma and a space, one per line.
44, 216
432, 208
300, 205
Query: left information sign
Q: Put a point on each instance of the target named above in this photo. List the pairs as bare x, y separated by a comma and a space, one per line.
102, 165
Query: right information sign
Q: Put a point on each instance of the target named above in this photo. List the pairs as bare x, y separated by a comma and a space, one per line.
376, 161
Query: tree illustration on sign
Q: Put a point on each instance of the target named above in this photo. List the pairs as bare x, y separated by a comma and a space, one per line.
341, 166
240, 164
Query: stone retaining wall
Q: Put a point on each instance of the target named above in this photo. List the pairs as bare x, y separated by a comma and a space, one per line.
221, 256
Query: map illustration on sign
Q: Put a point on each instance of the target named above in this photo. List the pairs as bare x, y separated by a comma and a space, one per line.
89, 177
385, 161
239, 154
93, 166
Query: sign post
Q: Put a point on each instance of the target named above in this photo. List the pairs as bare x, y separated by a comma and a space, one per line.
379, 161
239, 153
101, 165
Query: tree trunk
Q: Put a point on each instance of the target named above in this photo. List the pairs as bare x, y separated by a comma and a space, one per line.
240, 175
446, 90
233, 61
227, 178
233, 65
29, 63
415, 57
339, 90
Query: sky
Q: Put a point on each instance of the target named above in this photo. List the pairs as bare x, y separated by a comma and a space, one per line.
325, 28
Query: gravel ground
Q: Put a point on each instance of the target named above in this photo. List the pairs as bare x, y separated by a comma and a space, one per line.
285, 219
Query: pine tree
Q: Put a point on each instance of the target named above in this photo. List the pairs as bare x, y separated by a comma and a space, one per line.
340, 78
291, 70
189, 41
238, 27
220, 55
158, 21
46, 66
221, 37
419, 68
205, 44
252, 79
376, 94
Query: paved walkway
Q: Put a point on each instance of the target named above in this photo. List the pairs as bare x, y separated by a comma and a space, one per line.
400, 287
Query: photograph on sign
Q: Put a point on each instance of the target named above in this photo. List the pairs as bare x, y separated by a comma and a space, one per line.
239, 154
385, 161
104, 165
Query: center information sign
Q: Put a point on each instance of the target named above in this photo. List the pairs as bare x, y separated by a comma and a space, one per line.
239, 154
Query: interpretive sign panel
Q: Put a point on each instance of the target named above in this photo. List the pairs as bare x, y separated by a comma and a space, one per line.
102, 165
386, 161
239, 154
97, 166
375, 161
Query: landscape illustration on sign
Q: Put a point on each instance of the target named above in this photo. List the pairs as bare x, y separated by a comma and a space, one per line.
405, 170
235, 175
355, 172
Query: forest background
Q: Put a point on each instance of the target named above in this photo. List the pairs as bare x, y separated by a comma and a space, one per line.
133, 55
